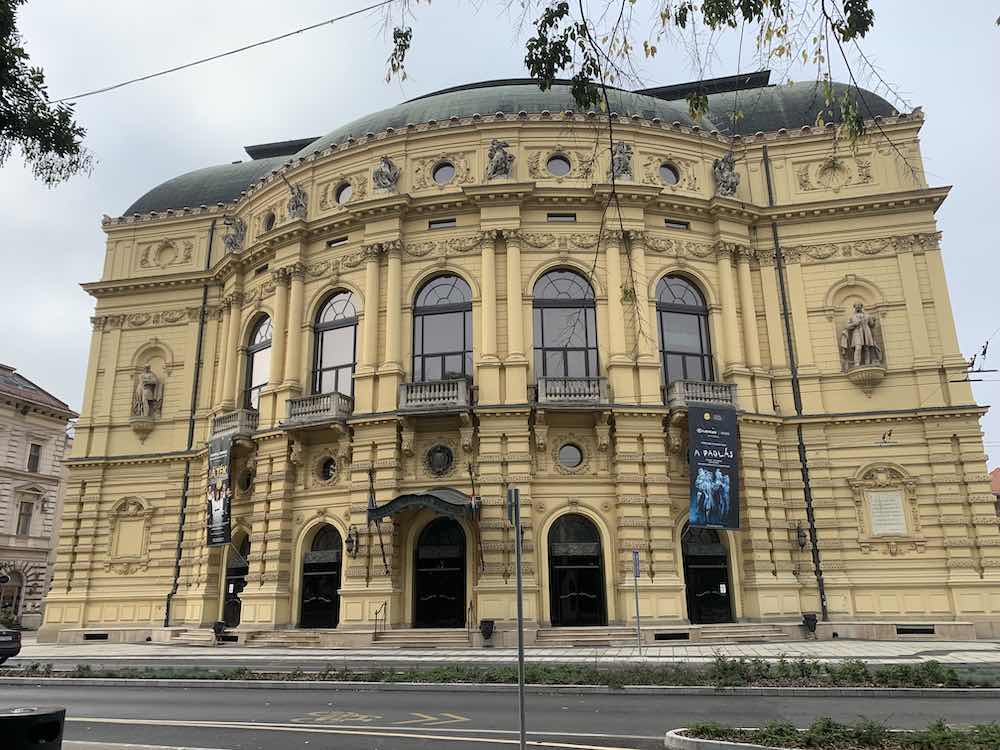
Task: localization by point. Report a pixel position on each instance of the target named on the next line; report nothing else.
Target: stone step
(423, 638)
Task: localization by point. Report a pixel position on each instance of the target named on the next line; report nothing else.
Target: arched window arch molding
(151, 349)
(569, 264)
(336, 373)
(678, 321)
(250, 321)
(838, 292)
(303, 544)
(544, 313)
(429, 274)
(887, 509)
(430, 363)
(694, 275)
(319, 297)
(609, 557)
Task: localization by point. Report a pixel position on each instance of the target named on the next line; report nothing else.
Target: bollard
(32, 727)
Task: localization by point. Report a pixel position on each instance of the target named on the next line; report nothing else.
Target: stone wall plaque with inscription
(888, 517)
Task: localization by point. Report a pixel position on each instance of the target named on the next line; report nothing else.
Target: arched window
(682, 317)
(10, 595)
(565, 326)
(336, 335)
(258, 362)
(442, 330)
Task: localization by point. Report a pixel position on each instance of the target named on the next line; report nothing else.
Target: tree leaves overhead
(46, 134)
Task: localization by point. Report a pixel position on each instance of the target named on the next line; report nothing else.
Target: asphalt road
(241, 719)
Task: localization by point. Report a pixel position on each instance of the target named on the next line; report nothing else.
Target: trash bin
(32, 727)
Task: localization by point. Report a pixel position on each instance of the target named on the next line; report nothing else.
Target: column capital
(373, 250)
(233, 299)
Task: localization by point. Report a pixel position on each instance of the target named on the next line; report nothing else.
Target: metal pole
(635, 578)
(516, 501)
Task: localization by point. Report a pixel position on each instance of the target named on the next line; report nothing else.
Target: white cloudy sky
(307, 85)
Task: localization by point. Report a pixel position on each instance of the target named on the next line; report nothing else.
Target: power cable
(220, 55)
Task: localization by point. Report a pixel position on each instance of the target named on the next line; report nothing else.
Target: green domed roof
(763, 107)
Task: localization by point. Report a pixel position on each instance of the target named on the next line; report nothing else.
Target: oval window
(344, 193)
(269, 221)
(558, 165)
(669, 173)
(570, 456)
(444, 173)
(440, 459)
(328, 469)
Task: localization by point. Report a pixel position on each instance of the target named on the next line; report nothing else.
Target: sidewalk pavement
(878, 652)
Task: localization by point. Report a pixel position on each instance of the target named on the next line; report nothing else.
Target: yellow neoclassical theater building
(373, 334)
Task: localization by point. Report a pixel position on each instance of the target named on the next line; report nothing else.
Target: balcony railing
(320, 408)
(239, 423)
(572, 391)
(435, 396)
(684, 392)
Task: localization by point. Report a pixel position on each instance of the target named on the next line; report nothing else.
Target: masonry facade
(473, 291)
(33, 444)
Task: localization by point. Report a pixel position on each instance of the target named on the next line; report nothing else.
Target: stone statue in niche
(858, 346)
(298, 202)
(501, 162)
(236, 235)
(621, 161)
(147, 398)
(385, 175)
(726, 178)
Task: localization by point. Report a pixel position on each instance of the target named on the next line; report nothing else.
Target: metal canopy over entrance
(443, 500)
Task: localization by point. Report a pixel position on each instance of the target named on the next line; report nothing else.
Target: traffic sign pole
(514, 504)
(635, 577)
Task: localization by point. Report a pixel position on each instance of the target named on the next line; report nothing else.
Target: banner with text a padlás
(713, 452)
(220, 490)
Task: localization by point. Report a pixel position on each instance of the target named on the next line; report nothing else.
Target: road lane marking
(333, 717)
(455, 719)
(424, 718)
(360, 731)
(430, 720)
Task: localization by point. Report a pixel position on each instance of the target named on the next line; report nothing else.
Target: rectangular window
(677, 224)
(259, 270)
(442, 223)
(24, 518)
(34, 457)
(336, 241)
(561, 217)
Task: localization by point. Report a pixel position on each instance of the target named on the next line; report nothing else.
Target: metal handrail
(470, 618)
(380, 611)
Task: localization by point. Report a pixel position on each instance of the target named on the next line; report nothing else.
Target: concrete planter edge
(676, 741)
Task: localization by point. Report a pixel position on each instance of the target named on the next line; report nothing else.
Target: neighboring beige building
(33, 443)
(452, 296)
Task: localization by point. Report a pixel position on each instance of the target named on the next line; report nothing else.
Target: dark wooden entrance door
(321, 581)
(706, 576)
(237, 567)
(439, 576)
(576, 573)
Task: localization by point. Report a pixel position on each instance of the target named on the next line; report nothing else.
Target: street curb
(478, 687)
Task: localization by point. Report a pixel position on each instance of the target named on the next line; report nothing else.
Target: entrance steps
(594, 637)
(423, 638)
(732, 632)
(286, 638)
(193, 637)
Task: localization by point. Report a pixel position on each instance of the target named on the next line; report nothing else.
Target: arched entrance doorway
(576, 573)
(237, 567)
(321, 580)
(706, 576)
(439, 576)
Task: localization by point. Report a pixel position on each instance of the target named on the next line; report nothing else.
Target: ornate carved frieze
(833, 173)
(358, 182)
(445, 247)
(581, 164)
(860, 248)
(687, 176)
(164, 254)
(423, 170)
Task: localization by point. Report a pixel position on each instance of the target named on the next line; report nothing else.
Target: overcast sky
(948, 63)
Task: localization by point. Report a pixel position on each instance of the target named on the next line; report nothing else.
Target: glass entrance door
(576, 573)
(321, 581)
(706, 577)
(439, 576)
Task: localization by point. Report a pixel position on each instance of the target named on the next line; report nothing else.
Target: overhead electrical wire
(244, 48)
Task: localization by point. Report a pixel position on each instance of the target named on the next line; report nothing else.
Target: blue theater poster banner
(220, 490)
(714, 464)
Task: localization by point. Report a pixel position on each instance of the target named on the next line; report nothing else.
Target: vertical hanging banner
(220, 490)
(714, 465)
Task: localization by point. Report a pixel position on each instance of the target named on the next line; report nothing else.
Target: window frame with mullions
(422, 313)
(591, 355)
(254, 347)
(700, 313)
(319, 329)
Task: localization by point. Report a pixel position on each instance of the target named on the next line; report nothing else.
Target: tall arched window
(682, 315)
(336, 335)
(442, 330)
(258, 362)
(565, 326)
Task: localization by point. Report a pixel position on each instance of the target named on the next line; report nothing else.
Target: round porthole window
(558, 165)
(444, 173)
(669, 173)
(245, 480)
(328, 469)
(269, 221)
(344, 193)
(570, 456)
(440, 460)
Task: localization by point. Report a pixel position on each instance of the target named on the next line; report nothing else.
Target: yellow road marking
(455, 719)
(363, 732)
(333, 717)
(424, 718)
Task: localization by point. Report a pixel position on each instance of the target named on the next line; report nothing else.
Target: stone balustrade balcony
(572, 392)
(683, 393)
(435, 396)
(318, 409)
(238, 423)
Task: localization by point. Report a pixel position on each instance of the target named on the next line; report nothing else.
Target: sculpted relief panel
(161, 255)
(833, 174)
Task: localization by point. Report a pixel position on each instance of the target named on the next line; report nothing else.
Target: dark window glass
(565, 326)
(336, 337)
(34, 457)
(442, 330)
(24, 513)
(559, 166)
(344, 193)
(682, 315)
(444, 173)
(327, 472)
(258, 362)
(570, 456)
(669, 173)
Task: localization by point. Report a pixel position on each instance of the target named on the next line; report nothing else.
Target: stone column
(761, 400)
(223, 351)
(734, 353)
(650, 365)
(516, 364)
(293, 351)
(951, 353)
(812, 401)
(280, 327)
(364, 376)
(619, 366)
(231, 399)
(391, 371)
(489, 364)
